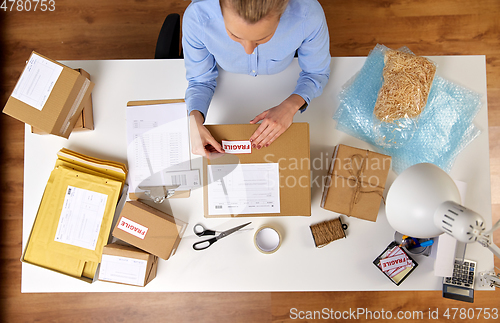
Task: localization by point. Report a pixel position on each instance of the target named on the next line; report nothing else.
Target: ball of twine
(328, 231)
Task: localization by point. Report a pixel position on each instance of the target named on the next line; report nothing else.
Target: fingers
(214, 145)
(266, 134)
(202, 142)
(212, 149)
(258, 118)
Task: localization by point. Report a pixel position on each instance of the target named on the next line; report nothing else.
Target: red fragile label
(237, 147)
(132, 227)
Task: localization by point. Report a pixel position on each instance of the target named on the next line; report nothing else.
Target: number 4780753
(28, 5)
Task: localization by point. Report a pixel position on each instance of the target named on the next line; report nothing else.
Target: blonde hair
(253, 11)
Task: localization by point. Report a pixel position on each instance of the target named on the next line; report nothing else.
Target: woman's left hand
(275, 121)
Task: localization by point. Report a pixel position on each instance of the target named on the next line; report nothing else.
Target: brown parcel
(356, 182)
(86, 119)
(115, 249)
(63, 107)
(162, 233)
(290, 150)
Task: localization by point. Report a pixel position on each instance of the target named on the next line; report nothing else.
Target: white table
(234, 264)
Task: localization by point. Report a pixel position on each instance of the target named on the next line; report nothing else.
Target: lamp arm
(494, 248)
(493, 228)
(485, 241)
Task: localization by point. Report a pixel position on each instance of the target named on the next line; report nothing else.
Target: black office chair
(167, 45)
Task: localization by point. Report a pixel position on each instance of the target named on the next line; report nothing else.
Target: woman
(252, 37)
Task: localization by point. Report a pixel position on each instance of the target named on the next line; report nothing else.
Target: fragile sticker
(132, 227)
(237, 147)
(400, 260)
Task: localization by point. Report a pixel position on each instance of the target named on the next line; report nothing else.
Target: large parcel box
(49, 96)
(289, 155)
(149, 229)
(127, 265)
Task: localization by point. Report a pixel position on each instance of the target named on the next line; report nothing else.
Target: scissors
(200, 231)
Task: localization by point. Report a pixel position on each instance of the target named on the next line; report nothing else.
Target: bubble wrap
(445, 127)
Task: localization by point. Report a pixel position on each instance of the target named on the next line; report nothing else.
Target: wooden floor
(105, 29)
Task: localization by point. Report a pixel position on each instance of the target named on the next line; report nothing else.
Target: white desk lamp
(424, 202)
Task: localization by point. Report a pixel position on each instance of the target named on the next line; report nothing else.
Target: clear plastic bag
(402, 97)
(443, 130)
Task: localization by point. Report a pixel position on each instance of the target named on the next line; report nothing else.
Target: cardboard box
(149, 229)
(356, 182)
(49, 96)
(86, 119)
(127, 265)
(291, 151)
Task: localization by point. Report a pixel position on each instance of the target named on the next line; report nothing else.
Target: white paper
(243, 189)
(123, 270)
(37, 81)
(81, 218)
(157, 141)
(445, 255)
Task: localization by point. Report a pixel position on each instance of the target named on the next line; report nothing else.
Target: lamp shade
(414, 197)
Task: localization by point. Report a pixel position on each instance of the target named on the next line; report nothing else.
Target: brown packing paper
(290, 150)
(356, 182)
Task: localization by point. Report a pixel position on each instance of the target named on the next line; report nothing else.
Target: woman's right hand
(202, 142)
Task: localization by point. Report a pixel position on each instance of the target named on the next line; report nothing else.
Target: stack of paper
(74, 219)
(158, 147)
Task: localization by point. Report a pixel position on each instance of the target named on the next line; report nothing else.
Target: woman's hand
(275, 121)
(202, 142)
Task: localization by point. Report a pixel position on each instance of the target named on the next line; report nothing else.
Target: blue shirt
(207, 46)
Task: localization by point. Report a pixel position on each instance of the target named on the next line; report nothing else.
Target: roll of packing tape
(267, 239)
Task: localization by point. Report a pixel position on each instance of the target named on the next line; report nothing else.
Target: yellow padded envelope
(83, 232)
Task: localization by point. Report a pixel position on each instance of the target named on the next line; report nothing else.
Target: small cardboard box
(355, 183)
(291, 151)
(127, 265)
(49, 96)
(149, 229)
(86, 119)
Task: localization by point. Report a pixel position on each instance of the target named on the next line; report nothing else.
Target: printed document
(157, 141)
(37, 81)
(243, 189)
(81, 217)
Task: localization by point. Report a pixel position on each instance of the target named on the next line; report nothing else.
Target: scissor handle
(200, 231)
(204, 244)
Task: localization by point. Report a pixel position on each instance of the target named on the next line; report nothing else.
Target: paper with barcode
(243, 189)
(183, 180)
(81, 218)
